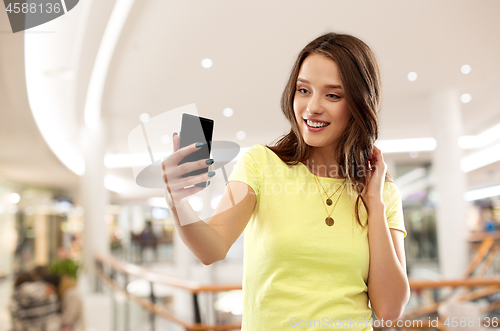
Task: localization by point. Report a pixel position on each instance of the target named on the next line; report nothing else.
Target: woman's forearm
(205, 242)
(388, 287)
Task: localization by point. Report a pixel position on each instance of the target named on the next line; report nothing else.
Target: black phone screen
(196, 129)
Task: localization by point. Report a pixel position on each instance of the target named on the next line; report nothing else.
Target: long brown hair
(361, 83)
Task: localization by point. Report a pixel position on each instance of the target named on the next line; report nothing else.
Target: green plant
(64, 267)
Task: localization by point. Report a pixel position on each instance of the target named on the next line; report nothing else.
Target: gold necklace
(328, 200)
(329, 220)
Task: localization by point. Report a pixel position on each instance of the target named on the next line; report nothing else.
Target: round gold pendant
(329, 221)
(329, 202)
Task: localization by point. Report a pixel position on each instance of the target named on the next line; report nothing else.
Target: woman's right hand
(172, 172)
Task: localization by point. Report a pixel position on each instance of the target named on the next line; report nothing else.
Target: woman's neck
(323, 163)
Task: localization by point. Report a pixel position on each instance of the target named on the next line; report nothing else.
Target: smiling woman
(336, 80)
(294, 268)
(319, 103)
(307, 254)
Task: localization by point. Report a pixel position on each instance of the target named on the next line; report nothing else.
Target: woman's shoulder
(263, 151)
(391, 193)
(258, 148)
(258, 152)
(390, 187)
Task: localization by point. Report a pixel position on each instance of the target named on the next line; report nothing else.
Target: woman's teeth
(316, 124)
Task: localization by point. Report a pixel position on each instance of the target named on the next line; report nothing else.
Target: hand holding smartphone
(195, 129)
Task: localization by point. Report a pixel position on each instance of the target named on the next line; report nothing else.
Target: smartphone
(196, 129)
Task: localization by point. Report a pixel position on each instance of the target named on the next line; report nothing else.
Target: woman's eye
(333, 96)
(301, 90)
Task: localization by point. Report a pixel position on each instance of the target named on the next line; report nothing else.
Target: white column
(8, 232)
(95, 199)
(446, 118)
(183, 300)
(41, 240)
(210, 270)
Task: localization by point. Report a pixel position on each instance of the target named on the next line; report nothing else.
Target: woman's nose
(314, 105)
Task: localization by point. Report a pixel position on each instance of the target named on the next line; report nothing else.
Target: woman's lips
(313, 129)
(317, 121)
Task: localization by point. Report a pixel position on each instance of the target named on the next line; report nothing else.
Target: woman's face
(320, 98)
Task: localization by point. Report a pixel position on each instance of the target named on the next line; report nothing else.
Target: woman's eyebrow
(328, 86)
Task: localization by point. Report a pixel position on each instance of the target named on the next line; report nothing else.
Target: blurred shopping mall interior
(76, 93)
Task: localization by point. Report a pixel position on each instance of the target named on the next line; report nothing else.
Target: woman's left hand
(376, 177)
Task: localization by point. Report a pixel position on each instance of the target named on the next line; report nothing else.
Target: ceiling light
(115, 161)
(412, 76)
(411, 176)
(406, 145)
(465, 98)
(144, 117)
(115, 184)
(480, 159)
(207, 63)
(482, 139)
(228, 112)
(240, 135)
(14, 198)
(483, 193)
(465, 69)
(416, 190)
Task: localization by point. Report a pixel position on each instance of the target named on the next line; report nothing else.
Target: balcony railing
(109, 267)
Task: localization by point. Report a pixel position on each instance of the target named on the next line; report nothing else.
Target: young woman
(323, 220)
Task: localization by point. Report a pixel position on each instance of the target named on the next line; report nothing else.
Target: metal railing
(127, 270)
(114, 267)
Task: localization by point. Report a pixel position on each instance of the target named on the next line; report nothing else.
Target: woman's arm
(211, 241)
(388, 287)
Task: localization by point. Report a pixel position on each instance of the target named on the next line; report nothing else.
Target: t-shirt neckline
(323, 178)
(308, 171)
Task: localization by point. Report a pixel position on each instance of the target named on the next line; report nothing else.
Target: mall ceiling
(156, 67)
(24, 155)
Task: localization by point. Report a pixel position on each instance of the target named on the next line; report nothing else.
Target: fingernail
(209, 161)
(175, 133)
(208, 183)
(211, 174)
(198, 145)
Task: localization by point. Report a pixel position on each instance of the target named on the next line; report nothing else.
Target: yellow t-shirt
(297, 271)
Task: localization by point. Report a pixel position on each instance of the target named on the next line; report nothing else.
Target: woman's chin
(317, 143)
(314, 143)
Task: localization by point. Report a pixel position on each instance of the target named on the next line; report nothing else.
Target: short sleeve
(394, 207)
(247, 169)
